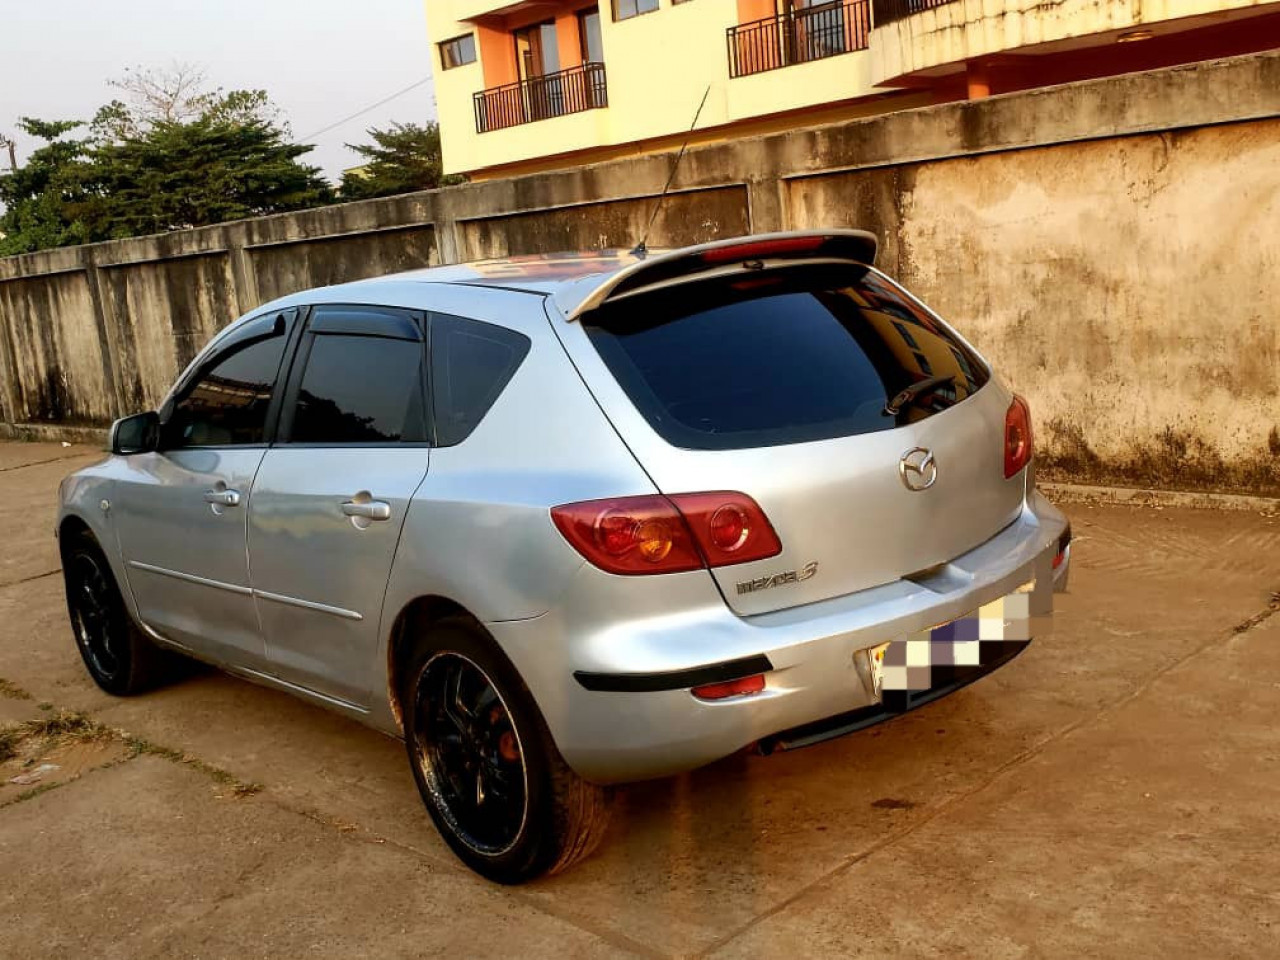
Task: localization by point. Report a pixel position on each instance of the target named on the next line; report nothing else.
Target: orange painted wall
(497, 56)
(567, 40)
(749, 10)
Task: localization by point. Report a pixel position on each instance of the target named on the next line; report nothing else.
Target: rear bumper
(639, 720)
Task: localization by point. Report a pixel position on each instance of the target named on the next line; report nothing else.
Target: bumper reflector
(730, 688)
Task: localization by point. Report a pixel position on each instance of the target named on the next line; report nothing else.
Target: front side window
(458, 52)
(360, 389)
(471, 363)
(227, 403)
(626, 9)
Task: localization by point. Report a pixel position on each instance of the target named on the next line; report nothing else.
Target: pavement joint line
(950, 802)
(360, 834)
(41, 463)
(355, 832)
(35, 576)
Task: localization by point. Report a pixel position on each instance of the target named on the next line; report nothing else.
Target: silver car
(568, 521)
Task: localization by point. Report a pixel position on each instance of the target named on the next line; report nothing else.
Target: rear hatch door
(775, 383)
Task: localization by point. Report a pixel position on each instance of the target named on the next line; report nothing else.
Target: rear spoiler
(721, 257)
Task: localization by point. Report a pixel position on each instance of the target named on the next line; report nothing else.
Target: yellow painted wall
(960, 31)
(658, 66)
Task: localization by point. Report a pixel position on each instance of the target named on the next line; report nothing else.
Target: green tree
(45, 197)
(206, 171)
(403, 158)
(171, 156)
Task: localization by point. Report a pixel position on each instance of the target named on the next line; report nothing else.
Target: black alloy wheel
(99, 633)
(485, 763)
(119, 657)
(470, 754)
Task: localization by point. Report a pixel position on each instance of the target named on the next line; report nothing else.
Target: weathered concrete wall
(1113, 246)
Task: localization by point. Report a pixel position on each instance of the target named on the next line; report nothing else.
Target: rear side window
(796, 355)
(226, 405)
(360, 389)
(471, 362)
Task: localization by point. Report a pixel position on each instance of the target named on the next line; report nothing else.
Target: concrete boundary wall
(1113, 246)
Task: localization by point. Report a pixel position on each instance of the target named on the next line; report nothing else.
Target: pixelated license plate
(907, 664)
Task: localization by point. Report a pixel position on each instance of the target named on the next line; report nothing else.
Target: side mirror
(137, 434)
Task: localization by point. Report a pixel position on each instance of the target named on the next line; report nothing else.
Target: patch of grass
(239, 788)
(69, 725)
(12, 691)
(44, 705)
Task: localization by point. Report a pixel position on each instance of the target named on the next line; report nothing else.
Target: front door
(331, 497)
(538, 60)
(180, 513)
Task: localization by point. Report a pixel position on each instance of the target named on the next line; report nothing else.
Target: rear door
(331, 495)
(776, 383)
(180, 512)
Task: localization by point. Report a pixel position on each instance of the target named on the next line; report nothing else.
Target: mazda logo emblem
(918, 469)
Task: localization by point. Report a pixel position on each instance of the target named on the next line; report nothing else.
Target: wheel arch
(71, 526)
(414, 619)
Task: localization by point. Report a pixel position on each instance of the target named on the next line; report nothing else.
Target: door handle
(224, 498)
(371, 510)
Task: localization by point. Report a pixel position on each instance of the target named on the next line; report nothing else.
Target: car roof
(580, 281)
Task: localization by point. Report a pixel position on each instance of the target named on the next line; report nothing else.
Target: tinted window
(783, 357)
(470, 364)
(358, 389)
(227, 404)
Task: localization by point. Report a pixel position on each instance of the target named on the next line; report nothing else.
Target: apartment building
(529, 85)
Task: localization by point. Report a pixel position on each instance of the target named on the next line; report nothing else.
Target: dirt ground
(1112, 792)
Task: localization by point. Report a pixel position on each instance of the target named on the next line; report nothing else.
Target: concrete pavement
(1112, 792)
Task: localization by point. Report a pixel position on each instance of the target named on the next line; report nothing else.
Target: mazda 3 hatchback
(569, 521)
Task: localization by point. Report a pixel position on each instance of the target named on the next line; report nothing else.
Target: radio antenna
(641, 250)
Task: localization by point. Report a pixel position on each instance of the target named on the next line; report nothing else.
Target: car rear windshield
(787, 356)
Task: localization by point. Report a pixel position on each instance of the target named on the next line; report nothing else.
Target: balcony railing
(539, 98)
(890, 11)
(800, 36)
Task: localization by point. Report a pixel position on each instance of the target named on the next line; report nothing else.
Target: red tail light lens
(629, 535)
(729, 527)
(1018, 441)
(656, 534)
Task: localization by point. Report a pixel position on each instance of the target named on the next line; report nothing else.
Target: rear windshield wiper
(915, 392)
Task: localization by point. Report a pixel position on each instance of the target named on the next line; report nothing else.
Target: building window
(592, 47)
(626, 9)
(458, 51)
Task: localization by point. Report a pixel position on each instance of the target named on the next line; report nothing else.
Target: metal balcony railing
(539, 98)
(799, 36)
(890, 11)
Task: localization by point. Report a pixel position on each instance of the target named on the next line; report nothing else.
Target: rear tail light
(730, 688)
(657, 534)
(1018, 441)
(729, 527)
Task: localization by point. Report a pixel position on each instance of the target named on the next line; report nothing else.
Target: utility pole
(13, 152)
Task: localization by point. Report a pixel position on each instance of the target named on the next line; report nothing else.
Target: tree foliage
(40, 197)
(170, 156)
(402, 158)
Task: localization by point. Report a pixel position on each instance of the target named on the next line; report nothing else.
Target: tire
(118, 655)
(470, 727)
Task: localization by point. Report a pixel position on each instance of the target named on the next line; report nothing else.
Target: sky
(319, 60)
